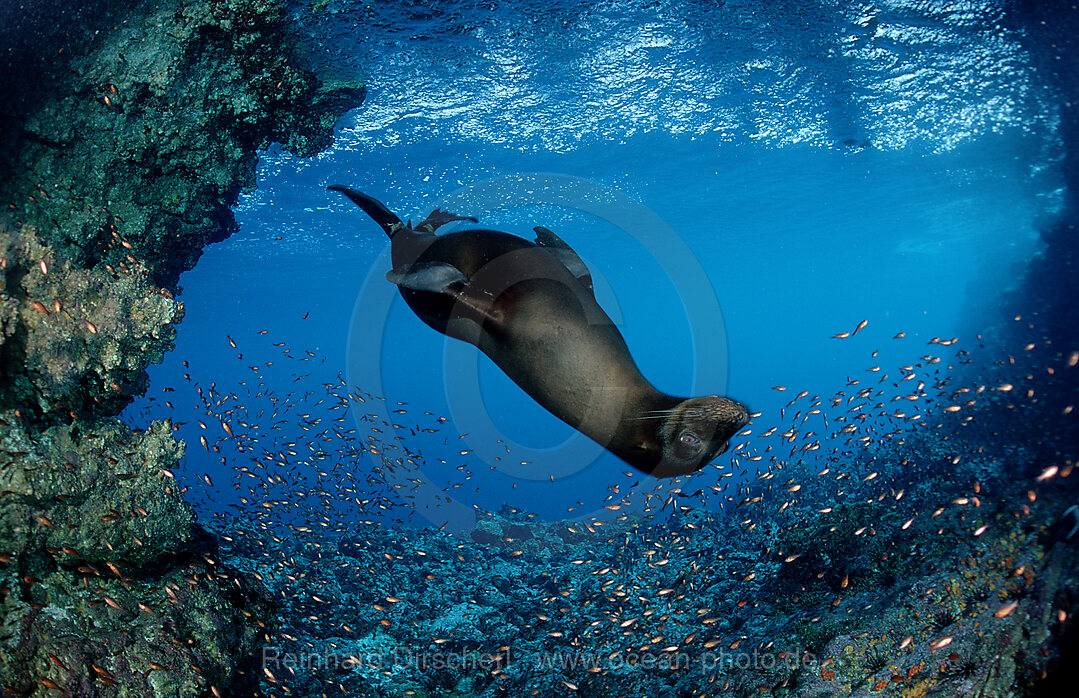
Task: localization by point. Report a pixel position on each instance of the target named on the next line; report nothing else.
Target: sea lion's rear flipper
(448, 280)
(372, 207)
(546, 239)
(440, 218)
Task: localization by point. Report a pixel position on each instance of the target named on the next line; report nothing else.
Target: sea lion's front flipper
(439, 218)
(448, 280)
(546, 239)
(437, 277)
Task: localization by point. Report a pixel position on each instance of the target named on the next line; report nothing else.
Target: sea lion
(529, 306)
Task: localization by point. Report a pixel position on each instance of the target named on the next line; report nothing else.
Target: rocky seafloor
(936, 558)
(129, 129)
(693, 606)
(131, 133)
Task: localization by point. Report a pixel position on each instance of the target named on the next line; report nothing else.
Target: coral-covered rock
(76, 340)
(120, 161)
(90, 628)
(91, 492)
(152, 131)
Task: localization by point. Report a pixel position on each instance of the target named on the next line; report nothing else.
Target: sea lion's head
(697, 430)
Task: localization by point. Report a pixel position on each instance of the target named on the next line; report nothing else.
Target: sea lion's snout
(730, 418)
(733, 412)
(696, 431)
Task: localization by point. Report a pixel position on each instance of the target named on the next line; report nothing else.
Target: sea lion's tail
(372, 207)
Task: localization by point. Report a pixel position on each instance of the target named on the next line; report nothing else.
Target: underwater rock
(153, 130)
(76, 341)
(105, 580)
(94, 630)
(91, 492)
(488, 532)
(673, 607)
(121, 158)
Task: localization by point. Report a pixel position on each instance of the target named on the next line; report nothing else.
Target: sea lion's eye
(688, 438)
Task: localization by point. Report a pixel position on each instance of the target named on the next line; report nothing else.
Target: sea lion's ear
(546, 239)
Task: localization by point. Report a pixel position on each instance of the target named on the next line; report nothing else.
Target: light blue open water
(823, 165)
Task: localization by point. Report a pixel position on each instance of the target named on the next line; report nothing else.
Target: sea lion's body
(529, 306)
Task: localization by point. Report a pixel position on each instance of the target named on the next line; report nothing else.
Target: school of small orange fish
(908, 464)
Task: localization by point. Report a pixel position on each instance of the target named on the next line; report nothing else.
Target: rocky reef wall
(1043, 304)
(133, 129)
(1040, 310)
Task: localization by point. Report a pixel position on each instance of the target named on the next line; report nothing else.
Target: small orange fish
(56, 660)
(940, 642)
(1049, 472)
(1005, 609)
(101, 671)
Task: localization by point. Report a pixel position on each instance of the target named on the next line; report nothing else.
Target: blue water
(815, 169)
